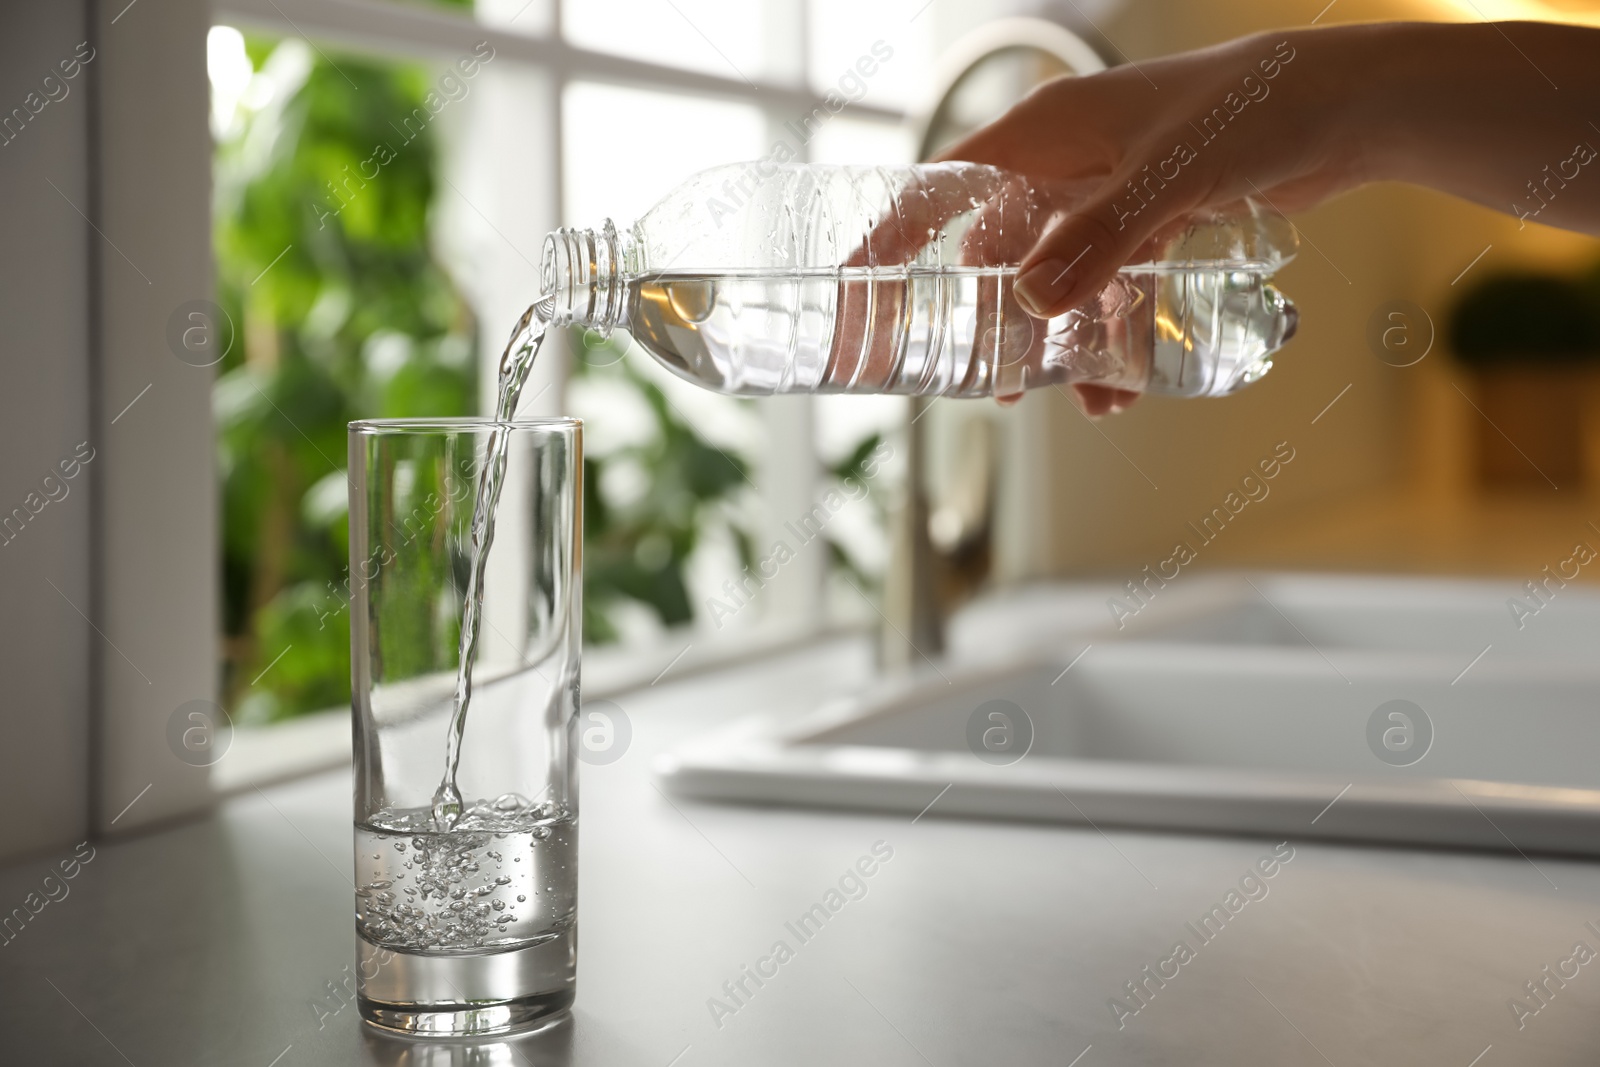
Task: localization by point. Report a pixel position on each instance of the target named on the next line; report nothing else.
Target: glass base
(461, 996)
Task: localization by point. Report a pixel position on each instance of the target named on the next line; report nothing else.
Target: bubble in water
(449, 903)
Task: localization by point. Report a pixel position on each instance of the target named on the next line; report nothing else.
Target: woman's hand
(1247, 118)
(994, 219)
(1291, 118)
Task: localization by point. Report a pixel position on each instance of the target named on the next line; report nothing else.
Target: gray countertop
(219, 941)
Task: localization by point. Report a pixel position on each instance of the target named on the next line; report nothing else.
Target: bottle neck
(583, 277)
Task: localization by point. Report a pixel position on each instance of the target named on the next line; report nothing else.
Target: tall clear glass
(466, 916)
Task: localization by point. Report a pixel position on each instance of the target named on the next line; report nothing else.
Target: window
(718, 37)
(369, 285)
(326, 170)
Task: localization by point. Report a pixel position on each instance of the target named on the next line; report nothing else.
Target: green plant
(341, 312)
(1527, 318)
(638, 549)
(853, 468)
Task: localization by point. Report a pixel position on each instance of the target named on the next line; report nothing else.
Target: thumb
(1078, 255)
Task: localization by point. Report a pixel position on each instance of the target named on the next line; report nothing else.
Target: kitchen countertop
(220, 941)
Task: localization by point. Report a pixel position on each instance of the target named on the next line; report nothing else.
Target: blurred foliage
(340, 312)
(853, 466)
(1528, 317)
(416, 596)
(638, 547)
(677, 487)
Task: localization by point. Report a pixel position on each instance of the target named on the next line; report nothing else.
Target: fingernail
(1041, 285)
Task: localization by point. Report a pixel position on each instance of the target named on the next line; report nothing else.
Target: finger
(911, 217)
(1097, 400)
(1071, 149)
(866, 337)
(1011, 221)
(1002, 143)
(1075, 259)
(867, 349)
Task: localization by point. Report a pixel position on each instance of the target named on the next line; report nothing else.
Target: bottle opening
(580, 278)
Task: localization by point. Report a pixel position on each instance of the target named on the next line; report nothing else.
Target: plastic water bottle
(764, 278)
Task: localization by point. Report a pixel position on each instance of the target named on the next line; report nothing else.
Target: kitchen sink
(1452, 618)
(1397, 710)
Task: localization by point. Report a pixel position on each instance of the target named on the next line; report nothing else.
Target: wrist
(1382, 122)
(1417, 94)
(1363, 96)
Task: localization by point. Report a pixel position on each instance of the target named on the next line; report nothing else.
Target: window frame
(153, 601)
(396, 29)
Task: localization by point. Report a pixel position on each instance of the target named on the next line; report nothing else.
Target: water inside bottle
(1194, 329)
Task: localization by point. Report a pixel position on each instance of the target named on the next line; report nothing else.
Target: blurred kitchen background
(238, 227)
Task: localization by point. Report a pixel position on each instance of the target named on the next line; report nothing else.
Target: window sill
(259, 756)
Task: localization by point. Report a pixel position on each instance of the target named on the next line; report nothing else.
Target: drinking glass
(465, 916)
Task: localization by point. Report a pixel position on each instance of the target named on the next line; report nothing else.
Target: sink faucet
(913, 616)
(941, 549)
(940, 555)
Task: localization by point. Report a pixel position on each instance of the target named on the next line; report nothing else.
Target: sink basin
(1456, 618)
(1259, 704)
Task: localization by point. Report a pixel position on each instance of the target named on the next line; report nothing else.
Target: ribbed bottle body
(767, 279)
